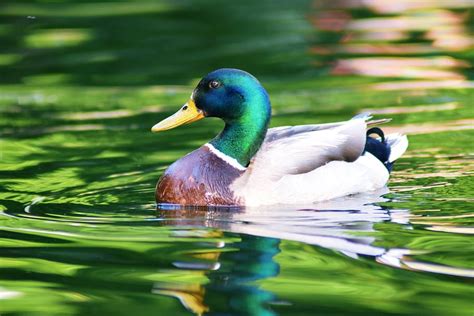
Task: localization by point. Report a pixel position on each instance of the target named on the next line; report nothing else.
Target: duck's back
(307, 164)
(199, 178)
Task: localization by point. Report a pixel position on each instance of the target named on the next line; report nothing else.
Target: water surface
(82, 83)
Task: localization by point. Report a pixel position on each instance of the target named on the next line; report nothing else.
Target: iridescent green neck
(242, 138)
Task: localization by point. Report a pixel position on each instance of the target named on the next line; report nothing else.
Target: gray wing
(300, 149)
(288, 131)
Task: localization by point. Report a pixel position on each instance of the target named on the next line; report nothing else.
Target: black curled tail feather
(378, 147)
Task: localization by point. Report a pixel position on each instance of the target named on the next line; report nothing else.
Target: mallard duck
(248, 164)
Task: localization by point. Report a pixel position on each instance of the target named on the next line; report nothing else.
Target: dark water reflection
(82, 83)
(347, 226)
(231, 277)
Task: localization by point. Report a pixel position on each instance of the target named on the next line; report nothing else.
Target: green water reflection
(81, 83)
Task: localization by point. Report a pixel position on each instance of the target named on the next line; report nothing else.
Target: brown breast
(199, 178)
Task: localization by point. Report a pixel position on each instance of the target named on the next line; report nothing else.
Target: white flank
(333, 180)
(231, 161)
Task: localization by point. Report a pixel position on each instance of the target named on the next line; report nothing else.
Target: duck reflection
(230, 273)
(233, 264)
(233, 269)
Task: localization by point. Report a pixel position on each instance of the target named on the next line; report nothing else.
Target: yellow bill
(187, 114)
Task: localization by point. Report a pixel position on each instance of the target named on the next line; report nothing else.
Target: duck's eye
(214, 84)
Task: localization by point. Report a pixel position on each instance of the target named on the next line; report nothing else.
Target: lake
(81, 84)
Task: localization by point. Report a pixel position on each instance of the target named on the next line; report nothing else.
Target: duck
(250, 164)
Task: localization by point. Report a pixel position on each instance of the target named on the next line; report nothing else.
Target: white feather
(398, 145)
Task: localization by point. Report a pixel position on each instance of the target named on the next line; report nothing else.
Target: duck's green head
(229, 94)
(236, 97)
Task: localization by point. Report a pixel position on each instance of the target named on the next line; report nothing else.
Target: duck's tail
(388, 148)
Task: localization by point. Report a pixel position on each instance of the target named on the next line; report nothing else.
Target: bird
(250, 164)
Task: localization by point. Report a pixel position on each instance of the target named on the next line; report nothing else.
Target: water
(82, 83)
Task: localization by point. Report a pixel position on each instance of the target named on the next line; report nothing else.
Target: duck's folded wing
(280, 132)
(300, 149)
(287, 131)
